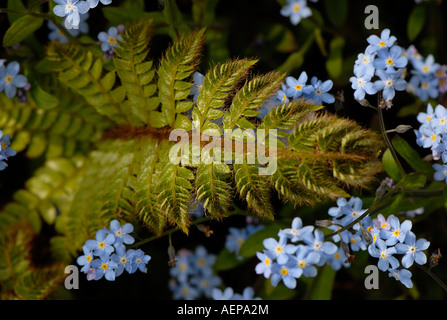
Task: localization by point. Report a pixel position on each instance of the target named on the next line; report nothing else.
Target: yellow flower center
(104, 266)
(111, 40)
(240, 241)
(296, 8)
(425, 85)
(284, 271)
(433, 137)
(302, 264)
(442, 120)
(384, 225)
(428, 118)
(383, 255)
(298, 87)
(353, 240)
(337, 255)
(278, 249)
(182, 267)
(123, 260)
(370, 229)
(4, 146)
(396, 233)
(267, 261)
(425, 68)
(201, 262)
(88, 258)
(102, 245)
(389, 62)
(8, 79)
(382, 44)
(284, 98)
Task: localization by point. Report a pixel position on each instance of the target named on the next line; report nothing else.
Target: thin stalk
(388, 142)
(434, 277)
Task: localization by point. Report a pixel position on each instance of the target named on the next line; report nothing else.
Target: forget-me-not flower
(440, 172)
(402, 275)
(109, 39)
(102, 245)
(390, 82)
(10, 79)
(412, 249)
(319, 92)
(296, 232)
(279, 249)
(71, 9)
(296, 10)
(385, 40)
(385, 255)
(93, 3)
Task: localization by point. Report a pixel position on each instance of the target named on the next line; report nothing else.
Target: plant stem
(434, 277)
(389, 144)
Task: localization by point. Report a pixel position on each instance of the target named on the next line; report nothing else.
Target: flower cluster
(10, 79)
(192, 275)
(5, 150)
(282, 260)
(296, 10)
(106, 256)
(229, 294)
(433, 134)
(294, 89)
(382, 238)
(237, 236)
(383, 60)
(72, 10)
(428, 79)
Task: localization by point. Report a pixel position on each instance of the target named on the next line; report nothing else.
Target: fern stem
(389, 144)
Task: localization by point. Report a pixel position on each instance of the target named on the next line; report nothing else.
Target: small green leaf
(21, 29)
(323, 284)
(334, 63)
(411, 156)
(416, 21)
(414, 181)
(390, 166)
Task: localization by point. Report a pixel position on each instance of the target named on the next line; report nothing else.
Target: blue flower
(305, 260)
(206, 282)
(318, 245)
(3, 164)
(355, 240)
(385, 255)
(352, 211)
(279, 249)
(109, 40)
(295, 87)
(319, 93)
(202, 259)
(389, 82)
(5, 150)
(425, 86)
(389, 59)
(102, 246)
(104, 267)
(10, 79)
(385, 40)
(226, 294)
(121, 233)
(361, 83)
(93, 3)
(235, 239)
(426, 117)
(365, 62)
(430, 138)
(397, 232)
(247, 294)
(56, 35)
(440, 122)
(297, 231)
(425, 67)
(184, 291)
(441, 172)
(265, 266)
(123, 259)
(288, 273)
(412, 249)
(337, 260)
(402, 275)
(140, 259)
(197, 86)
(183, 268)
(86, 259)
(296, 10)
(71, 9)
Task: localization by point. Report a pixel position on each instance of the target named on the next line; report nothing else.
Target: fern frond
(176, 66)
(136, 72)
(82, 72)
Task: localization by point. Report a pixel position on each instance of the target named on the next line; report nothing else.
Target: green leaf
(15, 5)
(337, 11)
(334, 63)
(416, 21)
(390, 166)
(414, 181)
(227, 260)
(411, 156)
(324, 281)
(21, 29)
